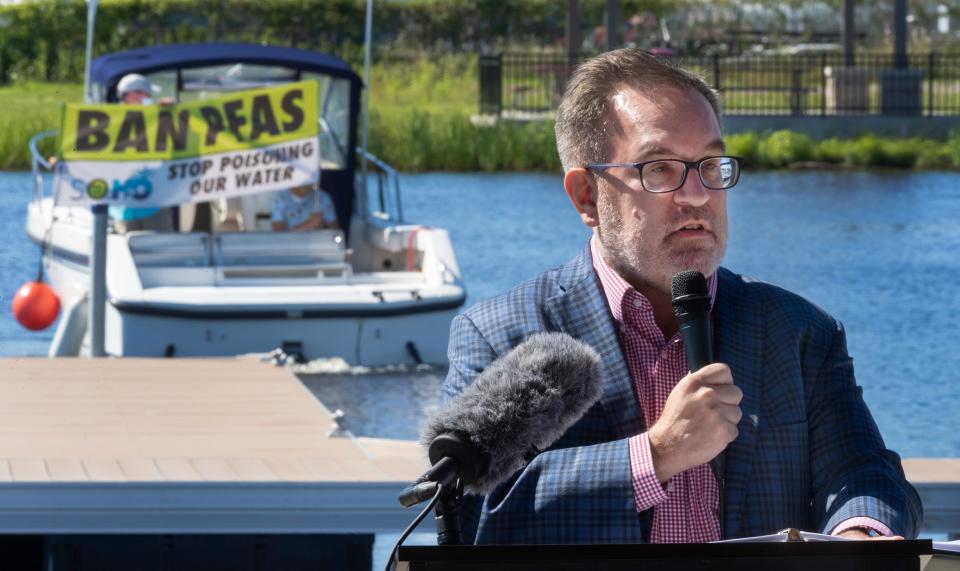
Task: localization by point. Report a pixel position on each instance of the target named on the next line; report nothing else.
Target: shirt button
(637, 303)
(670, 486)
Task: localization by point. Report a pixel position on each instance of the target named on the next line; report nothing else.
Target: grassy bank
(420, 121)
(784, 149)
(25, 110)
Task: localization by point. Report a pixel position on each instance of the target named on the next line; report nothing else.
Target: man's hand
(698, 421)
(312, 223)
(859, 533)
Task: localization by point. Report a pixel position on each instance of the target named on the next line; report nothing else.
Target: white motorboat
(379, 291)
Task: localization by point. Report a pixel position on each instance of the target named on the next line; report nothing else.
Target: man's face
(136, 97)
(649, 237)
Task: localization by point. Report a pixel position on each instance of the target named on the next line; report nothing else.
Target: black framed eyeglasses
(667, 175)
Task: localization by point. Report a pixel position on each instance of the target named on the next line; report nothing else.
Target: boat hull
(366, 340)
(369, 319)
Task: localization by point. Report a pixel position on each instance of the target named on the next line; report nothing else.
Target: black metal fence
(798, 85)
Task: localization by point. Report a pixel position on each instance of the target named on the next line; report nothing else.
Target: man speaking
(773, 434)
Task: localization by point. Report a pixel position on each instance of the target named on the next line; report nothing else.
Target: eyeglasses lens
(719, 172)
(667, 175)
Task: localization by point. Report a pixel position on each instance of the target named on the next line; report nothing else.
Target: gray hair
(583, 118)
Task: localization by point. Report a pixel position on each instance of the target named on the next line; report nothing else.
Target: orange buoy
(35, 306)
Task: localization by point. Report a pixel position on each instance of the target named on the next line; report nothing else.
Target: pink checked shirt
(686, 508)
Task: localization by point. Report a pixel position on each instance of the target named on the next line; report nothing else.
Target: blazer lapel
(740, 342)
(581, 311)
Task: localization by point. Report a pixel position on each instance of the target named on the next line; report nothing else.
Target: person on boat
(135, 89)
(647, 170)
(305, 207)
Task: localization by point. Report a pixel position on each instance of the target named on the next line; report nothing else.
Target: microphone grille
(689, 291)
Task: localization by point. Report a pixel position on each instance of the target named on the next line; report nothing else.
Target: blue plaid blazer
(808, 455)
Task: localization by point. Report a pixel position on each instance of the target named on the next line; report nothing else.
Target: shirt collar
(618, 292)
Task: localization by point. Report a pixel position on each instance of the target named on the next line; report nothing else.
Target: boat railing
(38, 161)
(387, 184)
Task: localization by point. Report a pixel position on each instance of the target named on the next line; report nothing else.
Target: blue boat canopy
(108, 69)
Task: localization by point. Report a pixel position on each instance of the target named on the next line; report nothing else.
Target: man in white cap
(135, 89)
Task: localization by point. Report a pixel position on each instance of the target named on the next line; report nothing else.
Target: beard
(637, 251)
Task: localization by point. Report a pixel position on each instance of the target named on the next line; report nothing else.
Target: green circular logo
(97, 189)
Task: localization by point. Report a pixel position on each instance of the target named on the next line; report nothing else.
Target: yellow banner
(235, 121)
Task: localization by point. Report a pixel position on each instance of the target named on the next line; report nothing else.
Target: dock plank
(29, 470)
(104, 470)
(251, 469)
(214, 469)
(178, 469)
(140, 469)
(66, 470)
(932, 470)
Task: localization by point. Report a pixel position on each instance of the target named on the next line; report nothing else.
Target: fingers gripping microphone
(691, 304)
(521, 404)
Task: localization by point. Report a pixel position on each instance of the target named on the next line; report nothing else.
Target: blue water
(19, 261)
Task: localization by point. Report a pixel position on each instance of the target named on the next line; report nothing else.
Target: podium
(787, 556)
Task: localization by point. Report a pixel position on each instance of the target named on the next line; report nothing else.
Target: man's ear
(582, 191)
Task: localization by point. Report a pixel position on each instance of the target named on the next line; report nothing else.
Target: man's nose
(692, 193)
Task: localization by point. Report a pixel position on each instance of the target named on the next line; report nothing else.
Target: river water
(878, 250)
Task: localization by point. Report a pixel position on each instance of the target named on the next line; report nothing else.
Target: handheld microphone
(518, 406)
(691, 304)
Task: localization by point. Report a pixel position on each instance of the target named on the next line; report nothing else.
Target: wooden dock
(186, 446)
(221, 446)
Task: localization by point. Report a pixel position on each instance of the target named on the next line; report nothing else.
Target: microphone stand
(448, 515)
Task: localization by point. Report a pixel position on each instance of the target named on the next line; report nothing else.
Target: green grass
(782, 149)
(417, 141)
(430, 85)
(25, 110)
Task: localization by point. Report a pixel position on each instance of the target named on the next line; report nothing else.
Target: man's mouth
(692, 229)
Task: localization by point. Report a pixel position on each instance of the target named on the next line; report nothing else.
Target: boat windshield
(333, 101)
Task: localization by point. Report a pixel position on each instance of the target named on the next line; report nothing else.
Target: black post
(823, 85)
(931, 60)
(491, 83)
(849, 33)
(564, 71)
(613, 25)
(573, 32)
(796, 93)
(900, 34)
(716, 71)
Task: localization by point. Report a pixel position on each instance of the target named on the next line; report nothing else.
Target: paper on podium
(951, 547)
(789, 534)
